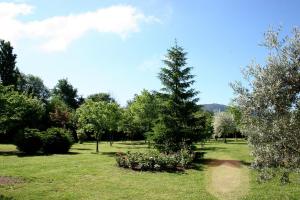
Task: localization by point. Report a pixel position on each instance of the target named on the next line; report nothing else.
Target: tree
(98, 117)
(67, 93)
(204, 122)
(102, 97)
(175, 127)
(145, 110)
(223, 124)
(18, 111)
(127, 124)
(237, 116)
(59, 112)
(8, 72)
(271, 101)
(34, 86)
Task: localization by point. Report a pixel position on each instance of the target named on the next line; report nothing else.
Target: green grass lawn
(82, 174)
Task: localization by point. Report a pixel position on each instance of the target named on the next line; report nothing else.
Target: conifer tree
(176, 127)
(8, 72)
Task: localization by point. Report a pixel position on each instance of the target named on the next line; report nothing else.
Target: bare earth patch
(6, 180)
(229, 179)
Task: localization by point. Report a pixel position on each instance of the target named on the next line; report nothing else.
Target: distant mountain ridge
(214, 107)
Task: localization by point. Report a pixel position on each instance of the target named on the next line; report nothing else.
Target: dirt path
(228, 179)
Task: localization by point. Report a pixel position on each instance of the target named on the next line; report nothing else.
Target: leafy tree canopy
(270, 103)
(224, 124)
(102, 97)
(18, 111)
(67, 93)
(98, 117)
(34, 86)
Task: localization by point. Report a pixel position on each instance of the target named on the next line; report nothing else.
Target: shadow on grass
(209, 148)
(21, 154)
(82, 149)
(110, 154)
(237, 143)
(2, 197)
(177, 171)
(133, 143)
(217, 162)
(200, 162)
(130, 148)
(245, 163)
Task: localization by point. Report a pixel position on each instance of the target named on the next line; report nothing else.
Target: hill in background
(214, 107)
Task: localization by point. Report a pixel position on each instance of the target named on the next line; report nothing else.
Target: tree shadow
(246, 163)
(82, 149)
(177, 171)
(240, 143)
(209, 148)
(110, 154)
(133, 143)
(217, 162)
(21, 154)
(2, 197)
(130, 148)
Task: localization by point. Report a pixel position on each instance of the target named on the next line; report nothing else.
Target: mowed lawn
(82, 174)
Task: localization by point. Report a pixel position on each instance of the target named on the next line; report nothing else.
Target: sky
(117, 46)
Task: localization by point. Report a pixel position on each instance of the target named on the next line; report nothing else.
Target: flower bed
(155, 161)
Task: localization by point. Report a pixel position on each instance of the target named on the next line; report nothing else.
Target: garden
(56, 144)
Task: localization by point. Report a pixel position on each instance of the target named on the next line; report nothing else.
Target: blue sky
(117, 46)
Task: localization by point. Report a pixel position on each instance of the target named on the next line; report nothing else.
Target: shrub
(29, 141)
(122, 160)
(57, 140)
(155, 161)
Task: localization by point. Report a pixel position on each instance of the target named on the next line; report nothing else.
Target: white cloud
(57, 33)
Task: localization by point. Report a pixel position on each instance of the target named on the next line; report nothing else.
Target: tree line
(170, 118)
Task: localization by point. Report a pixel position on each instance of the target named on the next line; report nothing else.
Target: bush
(57, 140)
(155, 161)
(29, 141)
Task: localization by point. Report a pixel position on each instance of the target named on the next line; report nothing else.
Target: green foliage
(235, 111)
(9, 74)
(101, 97)
(145, 109)
(270, 103)
(176, 126)
(66, 92)
(57, 140)
(33, 86)
(81, 135)
(59, 112)
(29, 141)
(18, 110)
(98, 117)
(128, 125)
(140, 115)
(203, 125)
(155, 161)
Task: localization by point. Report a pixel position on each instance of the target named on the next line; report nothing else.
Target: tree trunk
(111, 139)
(97, 143)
